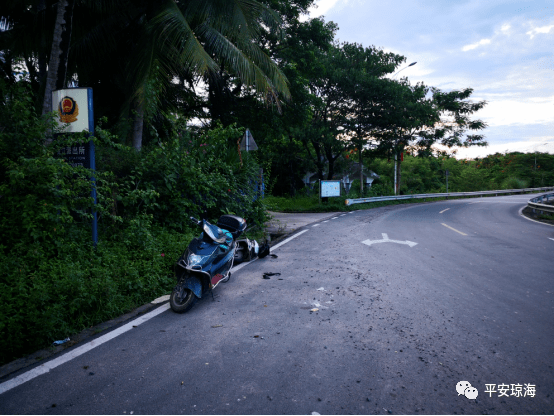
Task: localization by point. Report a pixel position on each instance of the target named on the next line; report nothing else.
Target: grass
(311, 204)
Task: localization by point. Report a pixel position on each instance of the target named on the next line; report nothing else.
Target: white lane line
(315, 225)
(444, 210)
(334, 218)
(326, 221)
(453, 229)
(342, 215)
(551, 238)
(351, 212)
(50, 365)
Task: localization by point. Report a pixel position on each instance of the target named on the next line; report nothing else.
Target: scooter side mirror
(194, 220)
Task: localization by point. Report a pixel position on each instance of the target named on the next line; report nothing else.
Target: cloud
(513, 112)
(476, 45)
(545, 146)
(322, 7)
(537, 30)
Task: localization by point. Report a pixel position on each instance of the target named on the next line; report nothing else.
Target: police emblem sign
(74, 109)
(75, 115)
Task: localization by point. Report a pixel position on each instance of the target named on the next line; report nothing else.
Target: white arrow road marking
(387, 240)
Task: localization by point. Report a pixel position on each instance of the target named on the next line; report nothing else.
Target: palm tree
(199, 37)
(149, 43)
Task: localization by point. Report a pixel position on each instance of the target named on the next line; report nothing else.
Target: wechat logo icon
(465, 388)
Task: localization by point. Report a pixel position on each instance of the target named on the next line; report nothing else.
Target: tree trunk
(361, 171)
(42, 64)
(138, 124)
(57, 66)
(398, 171)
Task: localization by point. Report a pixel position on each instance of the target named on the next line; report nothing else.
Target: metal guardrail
(449, 194)
(536, 203)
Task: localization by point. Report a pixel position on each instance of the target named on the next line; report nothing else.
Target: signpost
(74, 107)
(248, 142)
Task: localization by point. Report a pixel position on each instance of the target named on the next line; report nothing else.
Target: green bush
(45, 298)
(514, 183)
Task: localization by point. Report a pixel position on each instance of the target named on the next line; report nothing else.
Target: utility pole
(396, 150)
(395, 171)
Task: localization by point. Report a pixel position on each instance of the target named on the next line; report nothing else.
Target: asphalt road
(397, 326)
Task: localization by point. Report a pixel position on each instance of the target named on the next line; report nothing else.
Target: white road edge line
(527, 218)
(287, 240)
(50, 365)
(46, 367)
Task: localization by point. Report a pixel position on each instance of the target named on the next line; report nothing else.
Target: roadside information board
(330, 188)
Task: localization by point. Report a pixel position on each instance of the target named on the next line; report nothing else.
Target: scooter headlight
(195, 259)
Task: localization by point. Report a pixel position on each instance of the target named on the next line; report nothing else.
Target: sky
(503, 50)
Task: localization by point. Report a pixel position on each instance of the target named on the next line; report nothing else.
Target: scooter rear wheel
(226, 279)
(179, 304)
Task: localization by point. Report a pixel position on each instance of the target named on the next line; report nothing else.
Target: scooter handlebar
(194, 220)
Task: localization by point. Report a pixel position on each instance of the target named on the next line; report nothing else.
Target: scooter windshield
(214, 233)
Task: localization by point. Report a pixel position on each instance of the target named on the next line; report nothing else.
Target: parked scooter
(207, 261)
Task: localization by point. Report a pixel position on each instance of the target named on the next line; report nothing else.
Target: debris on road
(267, 274)
(63, 341)
(217, 326)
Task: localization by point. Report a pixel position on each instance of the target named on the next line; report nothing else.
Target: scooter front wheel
(182, 304)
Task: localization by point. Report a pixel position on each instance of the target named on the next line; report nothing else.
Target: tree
(350, 98)
(157, 40)
(57, 65)
(420, 117)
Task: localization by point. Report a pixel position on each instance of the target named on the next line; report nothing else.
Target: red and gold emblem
(68, 110)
